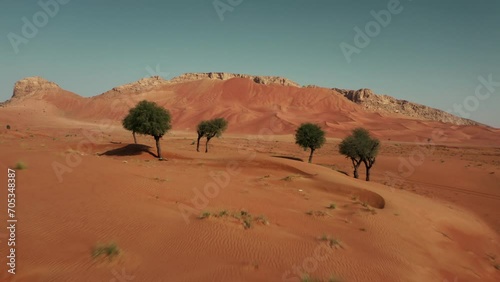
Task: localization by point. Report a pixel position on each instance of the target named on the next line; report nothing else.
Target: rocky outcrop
(225, 76)
(30, 85)
(141, 85)
(383, 103)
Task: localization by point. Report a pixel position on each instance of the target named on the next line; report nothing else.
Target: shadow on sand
(129, 150)
(289, 157)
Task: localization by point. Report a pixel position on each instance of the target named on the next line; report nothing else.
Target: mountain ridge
(366, 98)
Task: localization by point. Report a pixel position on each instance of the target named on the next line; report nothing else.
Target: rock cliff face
(388, 104)
(225, 76)
(30, 85)
(140, 85)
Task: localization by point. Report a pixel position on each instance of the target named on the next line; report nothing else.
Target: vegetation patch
(109, 250)
(20, 166)
(316, 213)
(242, 216)
(332, 206)
(331, 241)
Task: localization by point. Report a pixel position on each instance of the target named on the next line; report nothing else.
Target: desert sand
(430, 212)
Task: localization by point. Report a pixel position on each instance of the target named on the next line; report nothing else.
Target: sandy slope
(438, 222)
(135, 201)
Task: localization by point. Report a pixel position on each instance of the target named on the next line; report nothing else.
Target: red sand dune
(442, 223)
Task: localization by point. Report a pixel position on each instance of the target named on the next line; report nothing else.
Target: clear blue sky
(432, 52)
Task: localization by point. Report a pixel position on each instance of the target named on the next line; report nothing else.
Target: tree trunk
(135, 139)
(355, 165)
(158, 149)
(198, 144)
(368, 165)
(311, 155)
(206, 145)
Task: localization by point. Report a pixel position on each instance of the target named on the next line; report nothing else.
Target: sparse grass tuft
(109, 250)
(332, 206)
(332, 242)
(205, 214)
(247, 223)
(8, 126)
(243, 216)
(316, 213)
(262, 219)
(20, 166)
(223, 213)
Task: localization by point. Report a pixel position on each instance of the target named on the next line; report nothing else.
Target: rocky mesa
(267, 80)
(387, 104)
(31, 85)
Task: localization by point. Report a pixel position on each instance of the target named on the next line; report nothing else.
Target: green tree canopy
(149, 119)
(310, 136)
(210, 129)
(360, 147)
(202, 129)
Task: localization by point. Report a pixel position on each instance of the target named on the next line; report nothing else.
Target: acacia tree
(371, 148)
(149, 119)
(129, 123)
(202, 130)
(310, 136)
(214, 128)
(360, 147)
(348, 148)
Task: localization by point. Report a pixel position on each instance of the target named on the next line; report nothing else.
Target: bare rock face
(383, 103)
(141, 85)
(30, 85)
(357, 96)
(225, 76)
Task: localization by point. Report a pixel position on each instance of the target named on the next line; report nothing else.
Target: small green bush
(109, 250)
(20, 166)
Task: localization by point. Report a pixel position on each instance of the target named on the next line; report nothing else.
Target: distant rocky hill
(141, 85)
(387, 104)
(225, 76)
(370, 101)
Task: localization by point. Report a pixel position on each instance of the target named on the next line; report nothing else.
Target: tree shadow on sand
(288, 157)
(129, 150)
